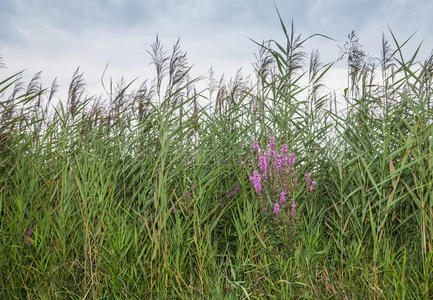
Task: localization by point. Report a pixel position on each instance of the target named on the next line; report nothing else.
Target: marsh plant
(276, 181)
(145, 192)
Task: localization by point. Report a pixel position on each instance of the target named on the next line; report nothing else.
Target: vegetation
(146, 193)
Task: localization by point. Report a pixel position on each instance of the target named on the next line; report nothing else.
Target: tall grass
(134, 195)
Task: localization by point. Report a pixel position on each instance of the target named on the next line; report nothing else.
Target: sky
(57, 36)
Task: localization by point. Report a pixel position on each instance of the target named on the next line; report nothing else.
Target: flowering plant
(275, 180)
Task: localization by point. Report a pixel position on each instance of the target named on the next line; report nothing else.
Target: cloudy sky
(57, 36)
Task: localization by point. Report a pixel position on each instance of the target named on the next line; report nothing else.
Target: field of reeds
(269, 187)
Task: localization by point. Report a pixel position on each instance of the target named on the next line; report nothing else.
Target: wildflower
(283, 157)
(28, 236)
(232, 193)
(272, 144)
(276, 208)
(188, 195)
(283, 197)
(235, 190)
(279, 162)
(293, 211)
(256, 180)
(263, 165)
(313, 185)
(256, 147)
(284, 149)
(291, 160)
(307, 179)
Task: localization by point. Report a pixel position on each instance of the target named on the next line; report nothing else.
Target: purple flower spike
(263, 165)
(29, 235)
(256, 180)
(188, 195)
(293, 211)
(272, 144)
(313, 185)
(256, 147)
(291, 160)
(276, 208)
(235, 190)
(283, 197)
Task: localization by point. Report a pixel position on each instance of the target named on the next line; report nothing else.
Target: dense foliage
(147, 193)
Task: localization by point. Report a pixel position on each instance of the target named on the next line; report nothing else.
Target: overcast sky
(57, 36)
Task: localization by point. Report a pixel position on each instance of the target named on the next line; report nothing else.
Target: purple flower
(283, 197)
(256, 181)
(28, 236)
(263, 165)
(256, 147)
(276, 208)
(279, 162)
(291, 160)
(188, 195)
(284, 149)
(235, 190)
(283, 158)
(313, 185)
(272, 144)
(293, 211)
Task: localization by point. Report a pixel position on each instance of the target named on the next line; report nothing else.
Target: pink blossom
(256, 147)
(256, 180)
(276, 208)
(263, 165)
(272, 144)
(283, 197)
(313, 185)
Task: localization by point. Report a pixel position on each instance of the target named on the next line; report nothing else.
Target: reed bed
(146, 192)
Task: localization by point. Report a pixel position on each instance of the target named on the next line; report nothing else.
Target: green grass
(103, 185)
